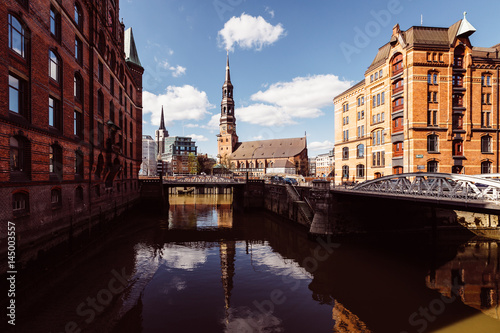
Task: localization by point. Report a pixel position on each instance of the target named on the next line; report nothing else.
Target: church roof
(283, 164)
(130, 48)
(276, 148)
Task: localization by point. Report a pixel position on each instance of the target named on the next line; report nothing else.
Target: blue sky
(288, 59)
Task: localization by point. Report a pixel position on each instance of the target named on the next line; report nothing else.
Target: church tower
(161, 134)
(227, 138)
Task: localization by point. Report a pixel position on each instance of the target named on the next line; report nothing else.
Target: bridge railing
(203, 179)
(442, 185)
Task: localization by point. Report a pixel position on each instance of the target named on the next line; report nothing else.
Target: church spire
(228, 76)
(162, 121)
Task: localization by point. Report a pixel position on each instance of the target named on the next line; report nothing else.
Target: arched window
(345, 153)
(261, 165)
(486, 167)
(397, 170)
(432, 78)
(432, 143)
(378, 137)
(360, 151)
(397, 149)
(397, 86)
(56, 197)
(101, 45)
(17, 39)
(360, 171)
(78, 16)
(486, 144)
(20, 165)
(79, 196)
(397, 64)
(78, 88)
(458, 57)
(345, 172)
(111, 21)
(20, 203)
(271, 164)
(432, 166)
(54, 66)
(55, 162)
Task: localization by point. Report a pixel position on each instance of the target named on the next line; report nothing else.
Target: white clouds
(249, 32)
(270, 12)
(176, 70)
(325, 145)
(284, 102)
(197, 138)
(179, 103)
(214, 122)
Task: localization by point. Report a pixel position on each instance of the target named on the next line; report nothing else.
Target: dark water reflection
(204, 268)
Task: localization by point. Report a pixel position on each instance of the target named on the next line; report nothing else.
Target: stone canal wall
(324, 211)
(53, 221)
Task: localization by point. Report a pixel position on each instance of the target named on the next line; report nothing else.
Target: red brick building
(70, 116)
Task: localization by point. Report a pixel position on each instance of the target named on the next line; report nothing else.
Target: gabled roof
(277, 148)
(283, 164)
(130, 49)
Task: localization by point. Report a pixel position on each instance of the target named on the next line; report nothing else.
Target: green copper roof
(130, 49)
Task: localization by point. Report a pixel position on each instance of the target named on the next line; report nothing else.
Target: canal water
(201, 267)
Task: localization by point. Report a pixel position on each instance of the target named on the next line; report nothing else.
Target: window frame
(55, 66)
(22, 35)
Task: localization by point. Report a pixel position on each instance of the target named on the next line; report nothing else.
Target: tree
(192, 164)
(205, 164)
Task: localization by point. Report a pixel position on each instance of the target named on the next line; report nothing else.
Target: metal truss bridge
(446, 186)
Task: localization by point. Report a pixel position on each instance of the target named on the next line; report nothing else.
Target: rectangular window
(382, 116)
(100, 72)
(378, 117)
(374, 101)
(488, 80)
(380, 73)
(78, 51)
(431, 117)
(16, 95)
(435, 98)
(54, 113)
(434, 79)
(55, 23)
(378, 99)
(371, 78)
(78, 124)
(485, 118)
(100, 134)
(112, 85)
(120, 95)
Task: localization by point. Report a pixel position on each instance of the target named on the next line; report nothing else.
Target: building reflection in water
(346, 321)
(194, 212)
(475, 273)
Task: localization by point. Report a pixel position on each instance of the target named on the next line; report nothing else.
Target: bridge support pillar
(320, 195)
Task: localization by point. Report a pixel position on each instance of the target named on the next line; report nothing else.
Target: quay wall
(343, 213)
(48, 225)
